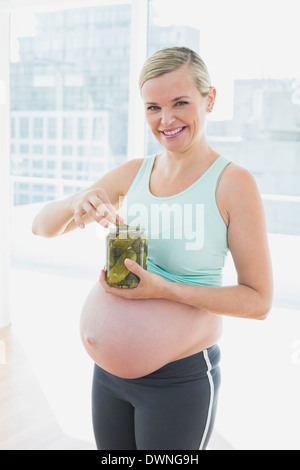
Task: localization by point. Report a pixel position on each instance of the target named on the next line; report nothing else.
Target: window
(82, 129)
(37, 128)
(63, 97)
(12, 127)
(24, 148)
(51, 130)
(24, 128)
(67, 128)
(67, 150)
(98, 128)
(51, 149)
(37, 149)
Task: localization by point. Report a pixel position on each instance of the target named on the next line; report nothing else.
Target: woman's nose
(167, 118)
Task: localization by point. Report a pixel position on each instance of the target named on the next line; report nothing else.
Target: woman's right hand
(97, 205)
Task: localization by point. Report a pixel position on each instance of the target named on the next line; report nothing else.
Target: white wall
(4, 171)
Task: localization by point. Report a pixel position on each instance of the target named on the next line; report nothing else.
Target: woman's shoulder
(130, 168)
(236, 178)
(127, 172)
(237, 188)
(132, 165)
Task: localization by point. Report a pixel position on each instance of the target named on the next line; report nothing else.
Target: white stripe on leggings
(211, 401)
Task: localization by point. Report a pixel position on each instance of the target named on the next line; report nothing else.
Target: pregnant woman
(156, 376)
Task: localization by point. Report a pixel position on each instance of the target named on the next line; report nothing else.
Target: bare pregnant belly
(132, 338)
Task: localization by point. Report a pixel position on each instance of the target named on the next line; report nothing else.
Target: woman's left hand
(150, 286)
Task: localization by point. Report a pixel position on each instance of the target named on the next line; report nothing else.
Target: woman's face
(175, 109)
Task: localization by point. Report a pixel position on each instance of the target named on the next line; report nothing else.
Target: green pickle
(125, 242)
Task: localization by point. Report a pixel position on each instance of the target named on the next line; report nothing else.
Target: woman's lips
(169, 133)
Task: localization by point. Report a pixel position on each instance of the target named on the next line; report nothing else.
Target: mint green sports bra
(187, 235)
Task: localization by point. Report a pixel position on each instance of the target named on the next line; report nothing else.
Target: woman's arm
(97, 203)
(247, 240)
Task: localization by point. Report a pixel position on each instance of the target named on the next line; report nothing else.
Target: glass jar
(125, 242)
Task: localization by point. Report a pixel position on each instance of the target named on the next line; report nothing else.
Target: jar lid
(125, 231)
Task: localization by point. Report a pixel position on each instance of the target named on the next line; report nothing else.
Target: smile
(172, 132)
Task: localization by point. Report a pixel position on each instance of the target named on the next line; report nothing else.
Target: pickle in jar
(119, 271)
(121, 243)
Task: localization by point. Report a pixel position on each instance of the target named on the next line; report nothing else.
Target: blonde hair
(172, 58)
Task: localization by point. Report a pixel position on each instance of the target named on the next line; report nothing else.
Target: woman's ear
(211, 99)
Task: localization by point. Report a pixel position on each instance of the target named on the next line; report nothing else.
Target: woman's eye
(181, 103)
(153, 108)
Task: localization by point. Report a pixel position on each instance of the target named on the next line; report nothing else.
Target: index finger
(101, 194)
(78, 217)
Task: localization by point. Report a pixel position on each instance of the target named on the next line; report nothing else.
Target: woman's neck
(176, 163)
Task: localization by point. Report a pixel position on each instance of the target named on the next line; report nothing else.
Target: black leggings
(171, 408)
